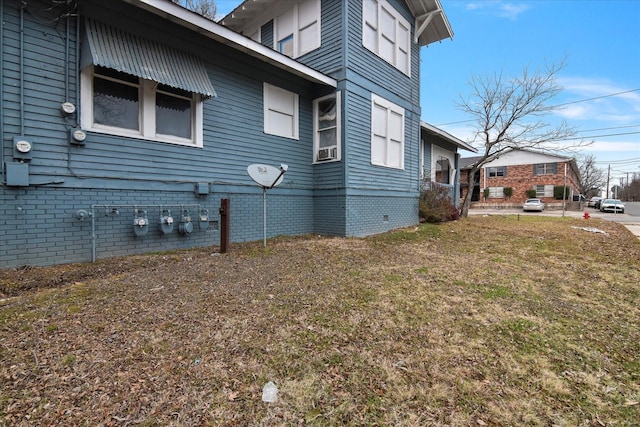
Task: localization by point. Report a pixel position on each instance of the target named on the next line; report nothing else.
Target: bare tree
(206, 8)
(631, 190)
(592, 178)
(509, 115)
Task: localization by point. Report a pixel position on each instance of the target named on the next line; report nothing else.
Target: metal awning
(116, 49)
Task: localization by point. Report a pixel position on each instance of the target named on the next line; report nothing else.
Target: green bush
(559, 191)
(508, 192)
(436, 206)
(485, 193)
(531, 194)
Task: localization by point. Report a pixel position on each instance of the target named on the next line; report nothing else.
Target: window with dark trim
(497, 171)
(545, 168)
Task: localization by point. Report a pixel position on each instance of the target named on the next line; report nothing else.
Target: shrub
(485, 193)
(531, 193)
(436, 206)
(508, 192)
(559, 192)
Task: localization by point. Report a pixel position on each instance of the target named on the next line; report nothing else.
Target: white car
(613, 205)
(533, 205)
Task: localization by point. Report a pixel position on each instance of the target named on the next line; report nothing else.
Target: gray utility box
(17, 174)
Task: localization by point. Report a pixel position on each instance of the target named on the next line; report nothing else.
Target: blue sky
(599, 39)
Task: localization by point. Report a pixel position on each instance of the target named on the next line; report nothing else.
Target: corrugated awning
(116, 49)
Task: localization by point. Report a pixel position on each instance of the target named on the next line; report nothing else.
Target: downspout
(345, 119)
(22, 70)
(1, 91)
(66, 61)
(77, 70)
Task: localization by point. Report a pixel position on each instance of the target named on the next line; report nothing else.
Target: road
(630, 218)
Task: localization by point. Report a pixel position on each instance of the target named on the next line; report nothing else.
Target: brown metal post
(224, 225)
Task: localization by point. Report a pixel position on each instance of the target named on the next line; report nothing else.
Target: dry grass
(484, 321)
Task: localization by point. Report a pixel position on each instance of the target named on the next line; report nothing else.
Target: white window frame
(391, 110)
(374, 38)
(317, 130)
(439, 153)
(295, 29)
(496, 192)
(146, 111)
(275, 98)
(547, 190)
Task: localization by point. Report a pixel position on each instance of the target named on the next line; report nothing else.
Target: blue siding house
(124, 124)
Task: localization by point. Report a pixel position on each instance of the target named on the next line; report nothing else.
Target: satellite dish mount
(267, 177)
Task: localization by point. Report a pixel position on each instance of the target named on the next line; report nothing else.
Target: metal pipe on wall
(22, 70)
(92, 215)
(2, 91)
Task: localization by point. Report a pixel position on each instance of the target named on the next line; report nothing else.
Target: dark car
(594, 202)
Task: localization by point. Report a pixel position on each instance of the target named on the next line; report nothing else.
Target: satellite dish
(265, 175)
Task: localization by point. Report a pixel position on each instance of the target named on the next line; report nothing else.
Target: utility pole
(564, 190)
(608, 178)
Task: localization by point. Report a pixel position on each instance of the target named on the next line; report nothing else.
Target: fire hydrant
(586, 215)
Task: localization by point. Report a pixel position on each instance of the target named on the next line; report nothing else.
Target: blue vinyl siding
(362, 61)
(361, 173)
(329, 58)
(40, 227)
(346, 198)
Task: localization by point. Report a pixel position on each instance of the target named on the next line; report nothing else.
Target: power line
(616, 162)
(558, 105)
(597, 97)
(611, 128)
(599, 136)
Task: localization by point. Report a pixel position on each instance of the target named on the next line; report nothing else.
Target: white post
(264, 216)
(564, 189)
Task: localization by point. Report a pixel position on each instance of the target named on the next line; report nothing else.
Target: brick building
(521, 170)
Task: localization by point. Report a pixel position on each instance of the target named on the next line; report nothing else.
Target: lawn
(496, 321)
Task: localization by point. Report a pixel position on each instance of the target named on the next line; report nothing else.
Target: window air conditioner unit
(327, 153)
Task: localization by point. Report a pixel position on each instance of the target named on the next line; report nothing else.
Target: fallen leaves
(485, 321)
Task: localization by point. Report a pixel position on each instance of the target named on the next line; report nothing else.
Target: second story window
(545, 169)
(497, 171)
(387, 34)
(297, 30)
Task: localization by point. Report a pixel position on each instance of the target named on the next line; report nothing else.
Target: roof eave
(447, 137)
(431, 23)
(226, 36)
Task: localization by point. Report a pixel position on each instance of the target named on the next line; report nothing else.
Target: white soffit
(432, 24)
(217, 32)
